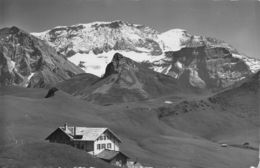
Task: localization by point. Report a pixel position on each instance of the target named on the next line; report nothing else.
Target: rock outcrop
(206, 67)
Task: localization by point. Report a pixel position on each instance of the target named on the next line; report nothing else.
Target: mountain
(92, 46)
(203, 62)
(99, 37)
(206, 67)
(124, 80)
(29, 62)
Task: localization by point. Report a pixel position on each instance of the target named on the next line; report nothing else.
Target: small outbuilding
(116, 158)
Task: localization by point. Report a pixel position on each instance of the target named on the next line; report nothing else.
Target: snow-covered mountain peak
(205, 61)
(102, 37)
(174, 39)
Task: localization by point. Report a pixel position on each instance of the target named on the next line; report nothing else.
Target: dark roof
(109, 154)
(58, 129)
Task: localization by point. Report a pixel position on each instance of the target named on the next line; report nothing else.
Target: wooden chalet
(99, 142)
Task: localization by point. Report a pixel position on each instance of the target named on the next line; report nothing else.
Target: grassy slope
(233, 115)
(28, 118)
(43, 154)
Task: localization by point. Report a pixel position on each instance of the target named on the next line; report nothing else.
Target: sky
(234, 21)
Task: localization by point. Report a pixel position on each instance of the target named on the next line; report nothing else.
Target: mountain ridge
(92, 46)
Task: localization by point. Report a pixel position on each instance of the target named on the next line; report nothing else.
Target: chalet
(99, 142)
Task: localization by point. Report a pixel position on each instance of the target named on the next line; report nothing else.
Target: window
(109, 146)
(82, 146)
(98, 146)
(105, 137)
(103, 146)
(101, 137)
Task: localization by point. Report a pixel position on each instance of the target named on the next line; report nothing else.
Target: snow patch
(91, 62)
(40, 35)
(179, 65)
(168, 102)
(12, 66)
(172, 39)
(30, 76)
(195, 80)
(159, 69)
(142, 49)
(168, 69)
(28, 79)
(253, 64)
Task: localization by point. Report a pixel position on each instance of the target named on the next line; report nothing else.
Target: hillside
(144, 135)
(43, 154)
(231, 116)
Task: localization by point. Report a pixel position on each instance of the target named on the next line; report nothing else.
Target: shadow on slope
(42, 154)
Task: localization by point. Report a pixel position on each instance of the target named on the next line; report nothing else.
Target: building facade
(106, 141)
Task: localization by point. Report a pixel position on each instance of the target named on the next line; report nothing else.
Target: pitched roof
(86, 133)
(59, 129)
(109, 154)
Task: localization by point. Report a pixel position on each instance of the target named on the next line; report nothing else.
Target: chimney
(74, 130)
(66, 127)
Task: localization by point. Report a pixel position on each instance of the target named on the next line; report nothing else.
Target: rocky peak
(118, 64)
(207, 67)
(11, 30)
(14, 34)
(113, 25)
